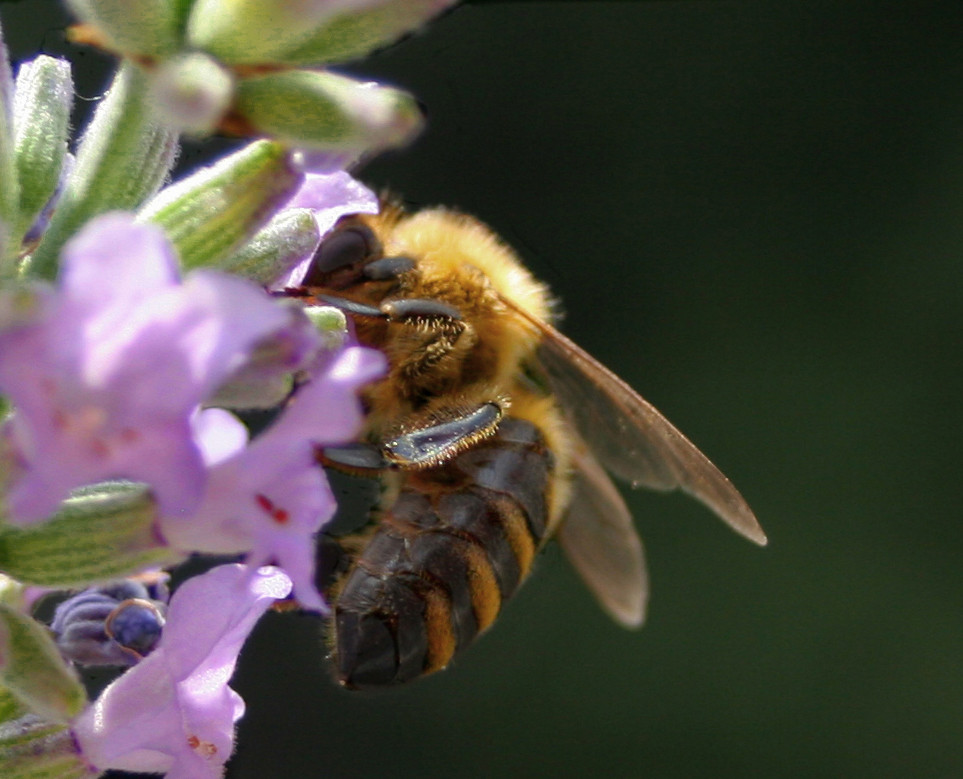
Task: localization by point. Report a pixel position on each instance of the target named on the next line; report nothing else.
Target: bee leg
(351, 307)
(442, 335)
(420, 311)
(428, 445)
(448, 332)
(359, 459)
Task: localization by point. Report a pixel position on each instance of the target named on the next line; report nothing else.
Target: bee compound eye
(343, 250)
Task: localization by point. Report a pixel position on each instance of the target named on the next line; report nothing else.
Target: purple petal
(210, 616)
(219, 434)
(174, 712)
(117, 259)
(292, 506)
(178, 349)
(134, 723)
(339, 193)
(326, 409)
(106, 379)
(330, 196)
(268, 501)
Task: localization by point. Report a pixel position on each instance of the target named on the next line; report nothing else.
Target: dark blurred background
(753, 212)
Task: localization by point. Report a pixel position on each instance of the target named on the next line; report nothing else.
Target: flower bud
(115, 624)
(122, 160)
(191, 92)
(323, 110)
(209, 214)
(290, 235)
(42, 106)
(33, 749)
(258, 31)
(352, 33)
(331, 323)
(32, 668)
(105, 532)
(10, 189)
(138, 27)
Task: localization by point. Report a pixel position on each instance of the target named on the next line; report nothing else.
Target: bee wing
(630, 437)
(599, 539)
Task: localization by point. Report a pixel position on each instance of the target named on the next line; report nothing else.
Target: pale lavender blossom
(174, 712)
(270, 498)
(106, 378)
(330, 196)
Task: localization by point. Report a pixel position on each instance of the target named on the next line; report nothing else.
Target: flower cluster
(136, 320)
(259, 65)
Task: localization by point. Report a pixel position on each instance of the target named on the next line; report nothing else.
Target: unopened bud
(322, 110)
(211, 213)
(32, 668)
(31, 748)
(42, 121)
(104, 532)
(288, 237)
(115, 624)
(331, 323)
(139, 27)
(191, 92)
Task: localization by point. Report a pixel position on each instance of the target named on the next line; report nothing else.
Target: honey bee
(492, 433)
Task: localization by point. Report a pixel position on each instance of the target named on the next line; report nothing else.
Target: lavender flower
(108, 375)
(270, 498)
(111, 371)
(174, 712)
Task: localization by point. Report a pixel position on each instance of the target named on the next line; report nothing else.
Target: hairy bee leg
(432, 444)
(444, 336)
(420, 311)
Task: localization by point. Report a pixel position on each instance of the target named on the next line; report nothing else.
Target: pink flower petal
(173, 712)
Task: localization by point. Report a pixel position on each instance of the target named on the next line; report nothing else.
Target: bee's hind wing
(599, 539)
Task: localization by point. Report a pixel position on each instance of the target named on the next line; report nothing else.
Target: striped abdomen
(457, 543)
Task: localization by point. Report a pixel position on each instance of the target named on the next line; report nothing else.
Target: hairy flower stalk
(135, 319)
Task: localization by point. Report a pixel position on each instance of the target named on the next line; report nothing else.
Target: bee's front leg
(435, 340)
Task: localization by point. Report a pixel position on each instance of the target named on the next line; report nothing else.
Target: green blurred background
(753, 212)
